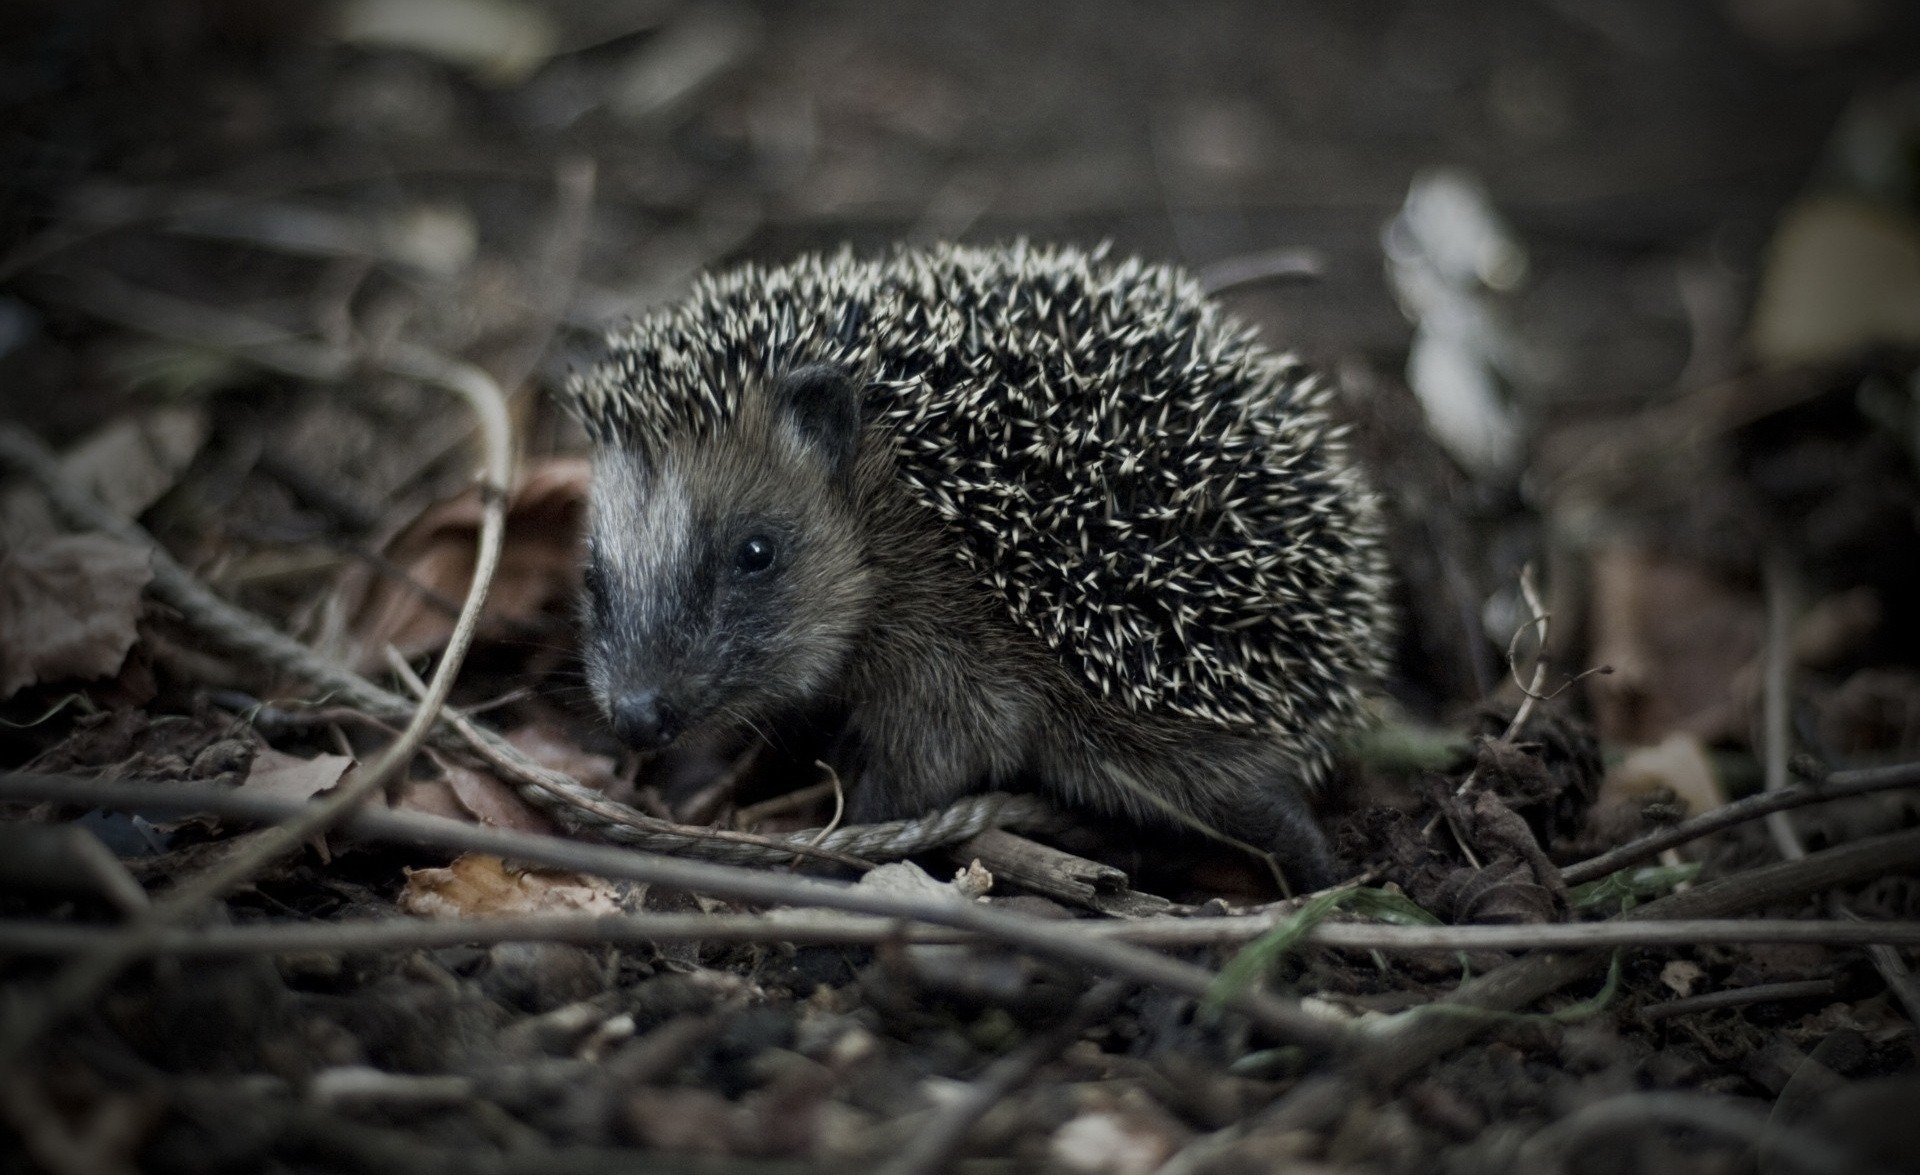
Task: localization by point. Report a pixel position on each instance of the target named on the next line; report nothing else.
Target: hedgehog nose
(644, 720)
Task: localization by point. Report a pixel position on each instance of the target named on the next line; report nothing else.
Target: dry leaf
(125, 466)
(277, 773)
(467, 795)
(480, 886)
(431, 797)
(548, 748)
(68, 607)
(494, 803)
(539, 565)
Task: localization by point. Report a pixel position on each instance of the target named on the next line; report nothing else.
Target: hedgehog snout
(644, 719)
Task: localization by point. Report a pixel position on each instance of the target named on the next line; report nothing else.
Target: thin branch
(1529, 693)
(83, 980)
(1280, 1018)
(1740, 997)
(1782, 605)
(1838, 786)
(826, 928)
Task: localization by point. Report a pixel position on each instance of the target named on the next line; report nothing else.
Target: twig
(828, 928)
(85, 978)
(839, 805)
(1041, 868)
(1410, 1049)
(1739, 997)
(934, 1145)
(1633, 1113)
(1538, 617)
(1529, 693)
(1278, 1017)
(1782, 605)
(1838, 786)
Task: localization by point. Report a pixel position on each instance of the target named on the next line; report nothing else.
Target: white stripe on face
(643, 527)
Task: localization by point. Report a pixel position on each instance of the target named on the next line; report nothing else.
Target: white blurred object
(1449, 257)
(497, 40)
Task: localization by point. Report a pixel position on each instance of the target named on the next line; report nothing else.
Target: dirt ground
(1622, 303)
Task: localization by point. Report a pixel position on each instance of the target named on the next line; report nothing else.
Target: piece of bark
(1059, 875)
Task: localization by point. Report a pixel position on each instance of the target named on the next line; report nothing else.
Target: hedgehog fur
(1124, 471)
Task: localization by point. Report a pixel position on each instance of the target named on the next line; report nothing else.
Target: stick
(1782, 605)
(817, 928)
(1280, 1018)
(1838, 786)
(1739, 997)
(1041, 868)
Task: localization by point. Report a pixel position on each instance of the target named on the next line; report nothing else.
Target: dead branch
(1739, 997)
(1838, 786)
(821, 928)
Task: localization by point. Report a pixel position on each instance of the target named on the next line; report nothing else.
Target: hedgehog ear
(821, 404)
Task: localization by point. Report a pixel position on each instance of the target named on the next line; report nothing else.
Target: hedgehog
(1023, 517)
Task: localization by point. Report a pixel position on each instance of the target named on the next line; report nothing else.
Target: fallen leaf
(431, 797)
(68, 608)
(480, 886)
(277, 773)
(539, 566)
(494, 803)
(125, 466)
(550, 749)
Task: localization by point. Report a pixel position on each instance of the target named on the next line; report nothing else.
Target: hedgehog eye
(754, 556)
(595, 580)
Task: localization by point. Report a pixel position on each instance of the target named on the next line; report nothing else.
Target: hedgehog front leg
(1237, 787)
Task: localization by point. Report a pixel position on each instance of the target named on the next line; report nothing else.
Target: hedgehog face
(726, 579)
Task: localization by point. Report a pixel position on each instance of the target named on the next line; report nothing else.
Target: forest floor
(1623, 305)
